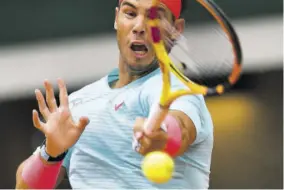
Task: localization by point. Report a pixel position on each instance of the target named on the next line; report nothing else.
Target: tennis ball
(158, 167)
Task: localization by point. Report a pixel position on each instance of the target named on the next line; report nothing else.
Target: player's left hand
(148, 142)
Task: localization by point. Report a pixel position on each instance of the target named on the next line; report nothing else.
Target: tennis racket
(207, 57)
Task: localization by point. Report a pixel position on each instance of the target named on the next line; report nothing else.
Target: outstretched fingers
(50, 98)
(63, 94)
(83, 122)
(36, 121)
(42, 105)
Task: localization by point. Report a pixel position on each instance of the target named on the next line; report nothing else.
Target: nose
(140, 26)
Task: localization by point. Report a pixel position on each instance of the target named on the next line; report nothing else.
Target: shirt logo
(117, 106)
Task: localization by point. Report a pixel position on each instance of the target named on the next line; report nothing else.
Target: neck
(128, 74)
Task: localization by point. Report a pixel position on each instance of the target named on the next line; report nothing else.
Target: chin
(138, 65)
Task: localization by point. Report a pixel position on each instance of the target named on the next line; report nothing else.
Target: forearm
(178, 132)
(187, 129)
(20, 184)
(36, 173)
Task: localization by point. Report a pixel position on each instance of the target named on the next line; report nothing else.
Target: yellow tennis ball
(158, 167)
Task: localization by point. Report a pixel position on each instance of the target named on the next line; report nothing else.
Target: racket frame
(159, 112)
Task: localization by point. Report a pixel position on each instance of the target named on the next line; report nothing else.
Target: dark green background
(29, 20)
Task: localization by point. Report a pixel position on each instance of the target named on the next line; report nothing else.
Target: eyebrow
(125, 3)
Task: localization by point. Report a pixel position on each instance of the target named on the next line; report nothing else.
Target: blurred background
(75, 40)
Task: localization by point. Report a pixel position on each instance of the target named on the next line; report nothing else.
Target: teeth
(139, 44)
(140, 52)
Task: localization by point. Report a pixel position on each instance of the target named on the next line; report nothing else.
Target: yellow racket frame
(157, 114)
(167, 66)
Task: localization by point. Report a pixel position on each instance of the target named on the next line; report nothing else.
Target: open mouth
(139, 49)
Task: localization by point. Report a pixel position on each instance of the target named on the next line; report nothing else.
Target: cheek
(124, 26)
(122, 38)
(122, 33)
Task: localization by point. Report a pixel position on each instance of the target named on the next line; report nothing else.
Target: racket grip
(155, 118)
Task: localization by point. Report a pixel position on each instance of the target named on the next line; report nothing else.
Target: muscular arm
(20, 184)
(188, 130)
(187, 110)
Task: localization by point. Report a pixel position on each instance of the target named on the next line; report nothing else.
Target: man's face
(133, 35)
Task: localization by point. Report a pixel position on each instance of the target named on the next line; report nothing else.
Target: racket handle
(155, 119)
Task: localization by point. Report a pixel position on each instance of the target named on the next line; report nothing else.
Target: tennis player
(89, 135)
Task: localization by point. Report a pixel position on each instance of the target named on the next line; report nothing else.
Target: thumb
(138, 128)
(157, 135)
(36, 121)
(83, 122)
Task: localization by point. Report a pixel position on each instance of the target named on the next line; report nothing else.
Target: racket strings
(201, 55)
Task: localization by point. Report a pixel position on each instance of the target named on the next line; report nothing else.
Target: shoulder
(88, 90)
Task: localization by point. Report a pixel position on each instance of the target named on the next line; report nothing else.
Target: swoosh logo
(117, 106)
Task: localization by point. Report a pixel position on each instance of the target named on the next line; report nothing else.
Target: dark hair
(183, 5)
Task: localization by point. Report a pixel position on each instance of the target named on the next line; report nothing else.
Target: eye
(130, 14)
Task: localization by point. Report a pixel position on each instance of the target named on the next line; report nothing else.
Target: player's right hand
(60, 130)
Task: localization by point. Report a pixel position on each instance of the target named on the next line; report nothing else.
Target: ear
(179, 25)
(116, 17)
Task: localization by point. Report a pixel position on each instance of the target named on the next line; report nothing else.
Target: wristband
(49, 158)
(174, 135)
(39, 175)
